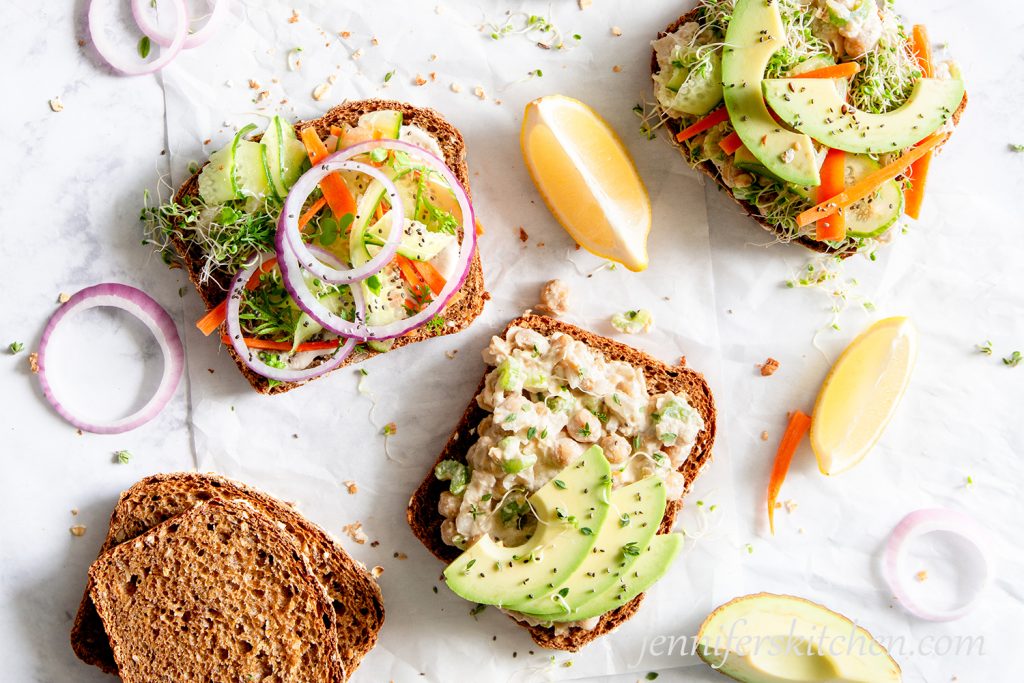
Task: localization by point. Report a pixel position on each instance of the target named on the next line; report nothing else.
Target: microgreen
(15, 347)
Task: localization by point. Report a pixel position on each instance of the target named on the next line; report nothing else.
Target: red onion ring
(154, 317)
(251, 356)
(144, 19)
(924, 522)
(288, 222)
(291, 274)
(103, 47)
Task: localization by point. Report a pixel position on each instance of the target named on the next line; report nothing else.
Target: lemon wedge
(861, 392)
(587, 179)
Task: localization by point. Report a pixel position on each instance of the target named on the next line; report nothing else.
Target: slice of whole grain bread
(425, 520)
(218, 593)
(708, 168)
(355, 596)
(464, 307)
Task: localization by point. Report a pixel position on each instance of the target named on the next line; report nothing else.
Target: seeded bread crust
(356, 597)
(425, 520)
(466, 304)
(672, 128)
(215, 594)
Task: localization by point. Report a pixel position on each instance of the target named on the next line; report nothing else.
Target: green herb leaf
(586, 531)
(15, 347)
(1016, 148)
(651, 675)
(1013, 360)
(531, 432)
(389, 75)
(559, 484)
(123, 457)
(985, 348)
(563, 592)
(373, 284)
(144, 46)
(631, 549)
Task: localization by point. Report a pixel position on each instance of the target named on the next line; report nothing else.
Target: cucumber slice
(418, 243)
(388, 123)
(251, 170)
(694, 92)
(273, 141)
(873, 215)
(381, 346)
(215, 184)
(295, 160)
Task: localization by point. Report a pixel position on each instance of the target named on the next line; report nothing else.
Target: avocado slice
(570, 511)
(766, 638)
(755, 33)
(635, 516)
(815, 106)
(650, 565)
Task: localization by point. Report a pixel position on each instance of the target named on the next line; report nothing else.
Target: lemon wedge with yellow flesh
(861, 393)
(587, 179)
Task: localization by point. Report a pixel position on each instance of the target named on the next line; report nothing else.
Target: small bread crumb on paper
(523, 235)
(77, 530)
(294, 18)
(321, 91)
(456, 87)
(351, 487)
(33, 362)
(377, 571)
(56, 105)
(764, 436)
(63, 298)
(584, 4)
(420, 80)
(355, 532)
(616, 31)
(479, 92)
(921, 576)
(769, 367)
(616, 69)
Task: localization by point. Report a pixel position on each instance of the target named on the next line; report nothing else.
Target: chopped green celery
(455, 472)
(511, 375)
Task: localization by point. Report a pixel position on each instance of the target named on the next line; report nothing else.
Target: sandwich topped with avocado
(320, 243)
(819, 117)
(555, 497)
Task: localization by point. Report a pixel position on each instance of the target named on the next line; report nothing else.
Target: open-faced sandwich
(555, 496)
(818, 116)
(201, 578)
(288, 239)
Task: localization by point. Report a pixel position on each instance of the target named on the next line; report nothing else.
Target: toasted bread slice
(708, 168)
(464, 307)
(218, 593)
(355, 596)
(425, 520)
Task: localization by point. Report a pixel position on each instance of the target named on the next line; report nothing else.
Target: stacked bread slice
(202, 578)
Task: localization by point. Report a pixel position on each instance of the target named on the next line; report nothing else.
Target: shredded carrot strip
(311, 211)
(430, 275)
(216, 316)
(844, 70)
(712, 119)
(410, 273)
(833, 181)
(923, 50)
(730, 143)
(267, 345)
(479, 228)
(334, 188)
(913, 196)
(799, 423)
(869, 183)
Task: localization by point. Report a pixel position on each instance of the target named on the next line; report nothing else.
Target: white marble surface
(76, 179)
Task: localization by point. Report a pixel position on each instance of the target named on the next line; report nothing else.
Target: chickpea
(585, 427)
(567, 451)
(448, 506)
(448, 531)
(616, 448)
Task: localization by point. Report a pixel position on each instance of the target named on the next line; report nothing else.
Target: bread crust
(425, 520)
(466, 304)
(708, 168)
(357, 600)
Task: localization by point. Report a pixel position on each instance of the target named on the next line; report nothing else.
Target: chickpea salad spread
(549, 399)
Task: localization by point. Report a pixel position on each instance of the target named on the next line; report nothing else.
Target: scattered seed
(56, 105)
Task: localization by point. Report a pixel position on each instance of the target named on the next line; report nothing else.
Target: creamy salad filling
(548, 398)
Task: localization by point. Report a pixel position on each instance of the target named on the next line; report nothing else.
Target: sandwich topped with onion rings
(321, 244)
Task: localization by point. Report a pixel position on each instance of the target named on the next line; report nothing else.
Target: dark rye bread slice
(425, 520)
(708, 168)
(355, 596)
(464, 307)
(219, 593)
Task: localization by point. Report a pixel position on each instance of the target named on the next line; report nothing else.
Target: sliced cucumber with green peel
(381, 346)
(252, 174)
(215, 182)
(877, 213)
(692, 91)
(418, 243)
(273, 140)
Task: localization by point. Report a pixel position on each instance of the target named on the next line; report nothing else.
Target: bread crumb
(682, 361)
(523, 235)
(616, 31)
(420, 80)
(375, 544)
(345, 34)
(401, 556)
(790, 505)
(357, 54)
(456, 87)
(77, 530)
(294, 18)
(921, 576)
(207, 141)
(355, 532)
(433, 75)
(33, 362)
(479, 92)
(351, 487)
(321, 91)
(74, 512)
(433, 58)
(769, 367)
(63, 298)
(764, 436)
(253, 85)
(262, 95)
(451, 354)
(554, 298)
(56, 105)
(332, 79)
(374, 41)
(376, 571)
(616, 69)
(584, 4)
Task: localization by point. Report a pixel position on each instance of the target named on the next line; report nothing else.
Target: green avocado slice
(755, 33)
(767, 638)
(570, 511)
(815, 106)
(635, 516)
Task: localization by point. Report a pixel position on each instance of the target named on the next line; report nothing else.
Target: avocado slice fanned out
(816, 107)
(635, 516)
(570, 510)
(755, 33)
(766, 638)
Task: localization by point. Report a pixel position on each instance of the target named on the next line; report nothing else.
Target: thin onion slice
(144, 18)
(251, 356)
(929, 521)
(104, 48)
(157, 321)
(288, 223)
